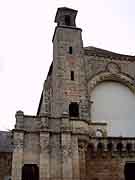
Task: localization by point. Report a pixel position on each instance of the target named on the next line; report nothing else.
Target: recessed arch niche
(114, 103)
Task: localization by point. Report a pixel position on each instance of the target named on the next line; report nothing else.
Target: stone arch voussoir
(108, 76)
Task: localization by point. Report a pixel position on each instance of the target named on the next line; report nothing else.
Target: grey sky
(26, 30)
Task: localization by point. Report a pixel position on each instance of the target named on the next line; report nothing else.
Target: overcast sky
(26, 30)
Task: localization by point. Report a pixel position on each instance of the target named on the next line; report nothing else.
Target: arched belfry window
(67, 20)
(74, 109)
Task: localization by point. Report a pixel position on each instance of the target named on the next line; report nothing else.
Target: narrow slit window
(70, 50)
(72, 75)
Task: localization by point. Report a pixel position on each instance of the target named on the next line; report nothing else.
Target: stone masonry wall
(66, 90)
(106, 167)
(95, 65)
(105, 158)
(5, 164)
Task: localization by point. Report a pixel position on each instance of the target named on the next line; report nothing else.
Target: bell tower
(68, 79)
(66, 17)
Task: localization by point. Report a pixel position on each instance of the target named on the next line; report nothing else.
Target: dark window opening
(110, 146)
(30, 172)
(70, 50)
(119, 147)
(90, 148)
(100, 147)
(129, 171)
(72, 75)
(73, 109)
(129, 147)
(67, 20)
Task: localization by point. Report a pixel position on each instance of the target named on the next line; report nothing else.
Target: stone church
(84, 128)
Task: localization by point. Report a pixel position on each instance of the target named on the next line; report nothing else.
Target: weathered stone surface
(5, 164)
(65, 146)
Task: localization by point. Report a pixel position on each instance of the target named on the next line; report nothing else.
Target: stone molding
(97, 52)
(18, 140)
(113, 68)
(115, 145)
(108, 76)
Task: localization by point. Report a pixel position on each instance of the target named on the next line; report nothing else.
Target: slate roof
(6, 141)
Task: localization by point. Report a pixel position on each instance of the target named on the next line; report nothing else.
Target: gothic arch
(108, 76)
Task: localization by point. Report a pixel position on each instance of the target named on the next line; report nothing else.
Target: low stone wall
(105, 158)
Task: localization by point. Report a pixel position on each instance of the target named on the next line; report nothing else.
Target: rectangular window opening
(67, 20)
(72, 76)
(70, 50)
(73, 109)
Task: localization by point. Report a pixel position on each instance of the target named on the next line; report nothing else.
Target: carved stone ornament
(18, 142)
(113, 68)
(44, 143)
(66, 151)
(82, 146)
(108, 76)
(44, 123)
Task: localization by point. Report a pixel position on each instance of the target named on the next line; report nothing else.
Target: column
(66, 156)
(82, 160)
(44, 156)
(17, 161)
(75, 158)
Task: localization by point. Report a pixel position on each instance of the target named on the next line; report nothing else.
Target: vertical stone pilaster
(82, 160)
(121, 170)
(17, 161)
(44, 156)
(55, 157)
(75, 158)
(84, 108)
(66, 156)
(19, 120)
